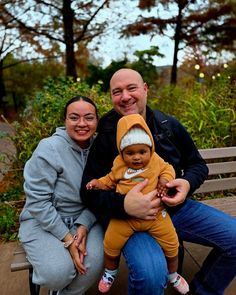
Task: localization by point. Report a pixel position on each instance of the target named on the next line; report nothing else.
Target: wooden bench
(222, 169)
(222, 177)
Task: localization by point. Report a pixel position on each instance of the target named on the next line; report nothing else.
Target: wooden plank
(225, 204)
(217, 153)
(214, 185)
(20, 261)
(223, 167)
(224, 183)
(19, 249)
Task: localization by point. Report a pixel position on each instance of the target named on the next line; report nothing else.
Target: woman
(60, 235)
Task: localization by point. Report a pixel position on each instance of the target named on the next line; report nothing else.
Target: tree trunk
(68, 17)
(2, 91)
(173, 80)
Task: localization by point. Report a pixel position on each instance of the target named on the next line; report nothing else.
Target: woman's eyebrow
(77, 114)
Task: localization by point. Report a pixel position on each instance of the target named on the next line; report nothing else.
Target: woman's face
(81, 122)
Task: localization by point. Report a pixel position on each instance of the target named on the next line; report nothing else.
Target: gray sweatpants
(52, 263)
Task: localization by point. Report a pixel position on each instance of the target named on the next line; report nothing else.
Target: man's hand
(182, 188)
(142, 206)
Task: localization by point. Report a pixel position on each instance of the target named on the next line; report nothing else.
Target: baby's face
(136, 156)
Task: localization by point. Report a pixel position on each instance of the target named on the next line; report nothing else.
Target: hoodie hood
(130, 121)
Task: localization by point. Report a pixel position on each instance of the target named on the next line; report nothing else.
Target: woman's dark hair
(78, 98)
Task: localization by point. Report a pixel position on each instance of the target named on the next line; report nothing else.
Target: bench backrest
(222, 169)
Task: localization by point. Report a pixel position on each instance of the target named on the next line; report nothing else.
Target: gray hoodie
(52, 184)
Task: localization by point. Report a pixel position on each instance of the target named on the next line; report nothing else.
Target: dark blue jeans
(197, 223)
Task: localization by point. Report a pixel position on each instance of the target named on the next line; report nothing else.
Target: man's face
(128, 93)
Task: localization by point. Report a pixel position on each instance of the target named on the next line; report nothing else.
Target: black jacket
(172, 143)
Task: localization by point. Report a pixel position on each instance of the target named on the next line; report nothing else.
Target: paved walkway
(16, 283)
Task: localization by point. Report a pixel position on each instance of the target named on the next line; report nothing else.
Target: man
(194, 221)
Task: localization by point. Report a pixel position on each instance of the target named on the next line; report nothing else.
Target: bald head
(123, 73)
(128, 92)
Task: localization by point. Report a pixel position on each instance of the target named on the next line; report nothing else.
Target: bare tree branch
(80, 37)
(29, 59)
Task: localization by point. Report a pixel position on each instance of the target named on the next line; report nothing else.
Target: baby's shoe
(106, 282)
(180, 285)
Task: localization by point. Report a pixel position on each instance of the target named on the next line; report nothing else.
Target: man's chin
(129, 112)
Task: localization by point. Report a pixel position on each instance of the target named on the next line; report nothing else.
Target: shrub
(207, 113)
(8, 222)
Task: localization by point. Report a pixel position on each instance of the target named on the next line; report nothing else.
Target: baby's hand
(161, 191)
(93, 184)
(161, 188)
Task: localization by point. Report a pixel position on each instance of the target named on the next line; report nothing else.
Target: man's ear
(146, 87)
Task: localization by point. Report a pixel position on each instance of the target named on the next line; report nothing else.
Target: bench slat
(220, 168)
(225, 204)
(20, 261)
(214, 185)
(20, 265)
(217, 153)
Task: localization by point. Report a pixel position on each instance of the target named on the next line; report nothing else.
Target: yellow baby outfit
(122, 179)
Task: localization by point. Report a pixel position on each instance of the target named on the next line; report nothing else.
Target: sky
(113, 48)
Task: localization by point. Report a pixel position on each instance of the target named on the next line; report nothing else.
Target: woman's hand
(78, 249)
(142, 206)
(181, 187)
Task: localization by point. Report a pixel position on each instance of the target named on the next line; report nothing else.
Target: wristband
(68, 243)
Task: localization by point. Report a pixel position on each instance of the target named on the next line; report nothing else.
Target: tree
(28, 74)
(209, 24)
(102, 76)
(51, 26)
(23, 78)
(145, 66)
(9, 42)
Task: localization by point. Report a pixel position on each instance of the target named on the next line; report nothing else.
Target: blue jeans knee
(148, 274)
